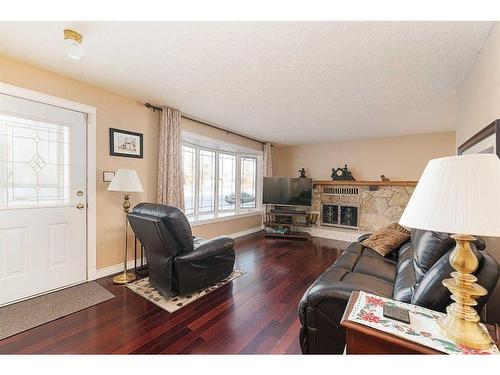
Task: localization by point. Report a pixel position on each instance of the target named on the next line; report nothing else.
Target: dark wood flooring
(255, 314)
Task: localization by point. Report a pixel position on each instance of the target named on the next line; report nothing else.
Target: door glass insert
(34, 163)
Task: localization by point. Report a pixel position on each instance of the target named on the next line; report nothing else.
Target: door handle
(80, 206)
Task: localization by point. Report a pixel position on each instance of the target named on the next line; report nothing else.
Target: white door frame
(36, 96)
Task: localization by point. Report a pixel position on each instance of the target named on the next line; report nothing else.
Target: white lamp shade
(127, 181)
(457, 194)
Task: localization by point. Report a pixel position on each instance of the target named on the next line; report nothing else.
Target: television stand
(283, 222)
(279, 211)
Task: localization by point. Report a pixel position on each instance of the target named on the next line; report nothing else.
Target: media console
(283, 222)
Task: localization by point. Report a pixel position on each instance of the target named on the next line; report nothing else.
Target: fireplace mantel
(365, 183)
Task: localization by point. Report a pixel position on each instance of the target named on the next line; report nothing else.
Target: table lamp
(459, 195)
(125, 181)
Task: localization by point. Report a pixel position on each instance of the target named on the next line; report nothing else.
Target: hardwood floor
(255, 314)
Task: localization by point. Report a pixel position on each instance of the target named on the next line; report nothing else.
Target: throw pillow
(388, 239)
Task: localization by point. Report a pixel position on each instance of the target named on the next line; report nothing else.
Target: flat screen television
(287, 191)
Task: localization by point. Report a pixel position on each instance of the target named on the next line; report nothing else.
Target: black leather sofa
(178, 262)
(413, 273)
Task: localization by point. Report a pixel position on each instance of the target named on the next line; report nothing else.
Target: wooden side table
(361, 339)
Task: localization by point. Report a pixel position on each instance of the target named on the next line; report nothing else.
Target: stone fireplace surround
(379, 203)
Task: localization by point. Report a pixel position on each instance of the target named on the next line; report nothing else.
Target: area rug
(34, 312)
(144, 288)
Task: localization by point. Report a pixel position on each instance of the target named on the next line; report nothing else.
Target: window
(206, 202)
(227, 182)
(219, 181)
(248, 182)
(189, 171)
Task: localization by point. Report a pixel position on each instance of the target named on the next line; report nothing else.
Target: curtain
(267, 172)
(268, 161)
(170, 181)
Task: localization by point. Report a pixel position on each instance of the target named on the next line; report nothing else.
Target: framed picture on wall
(125, 143)
(486, 141)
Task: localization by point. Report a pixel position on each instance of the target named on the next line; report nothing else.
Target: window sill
(214, 219)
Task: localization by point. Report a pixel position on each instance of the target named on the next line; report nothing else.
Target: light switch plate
(107, 176)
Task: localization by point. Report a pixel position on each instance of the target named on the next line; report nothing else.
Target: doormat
(24, 315)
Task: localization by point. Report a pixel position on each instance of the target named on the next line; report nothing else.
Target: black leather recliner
(412, 274)
(178, 262)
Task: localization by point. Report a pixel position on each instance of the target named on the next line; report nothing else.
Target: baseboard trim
(91, 273)
(246, 232)
(111, 270)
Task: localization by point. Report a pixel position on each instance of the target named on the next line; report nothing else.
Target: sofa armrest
(320, 312)
(479, 243)
(363, 237)
(328, 287)
(208, 249)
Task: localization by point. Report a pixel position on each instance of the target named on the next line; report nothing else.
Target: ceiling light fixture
(73, 44)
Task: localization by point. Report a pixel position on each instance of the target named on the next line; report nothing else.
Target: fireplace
(340, 215)
(361, 206)
(340, 206)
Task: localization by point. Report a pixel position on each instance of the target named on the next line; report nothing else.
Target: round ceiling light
(73, 44)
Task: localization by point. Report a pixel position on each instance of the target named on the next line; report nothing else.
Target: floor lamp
(125, 181)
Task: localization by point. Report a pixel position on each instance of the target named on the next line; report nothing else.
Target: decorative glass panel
(189, 170)
(207, 181)
(248, 182)
(34, 163)
(227, 182)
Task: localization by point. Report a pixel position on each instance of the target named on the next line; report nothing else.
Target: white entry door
(42, 198)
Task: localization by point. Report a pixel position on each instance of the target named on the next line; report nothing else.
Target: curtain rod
(155, 108)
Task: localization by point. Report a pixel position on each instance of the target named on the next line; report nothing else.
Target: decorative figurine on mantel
(312, 218)
(302, 173)
(383, 178)
(342, 174)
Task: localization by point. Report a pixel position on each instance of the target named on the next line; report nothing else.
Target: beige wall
(479, 94)
(120, 112)
(478, 105)
(227, 227)
(398, 158)
(479, 100)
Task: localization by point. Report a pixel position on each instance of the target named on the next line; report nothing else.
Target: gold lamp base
(461, 323)
(124, 278)
(470, 334)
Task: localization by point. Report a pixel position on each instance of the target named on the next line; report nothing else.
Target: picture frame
(125, 143)
(486, 141)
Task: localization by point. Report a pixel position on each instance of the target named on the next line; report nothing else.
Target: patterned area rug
(144, 288)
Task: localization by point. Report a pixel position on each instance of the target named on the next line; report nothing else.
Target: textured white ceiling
(288, 82)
